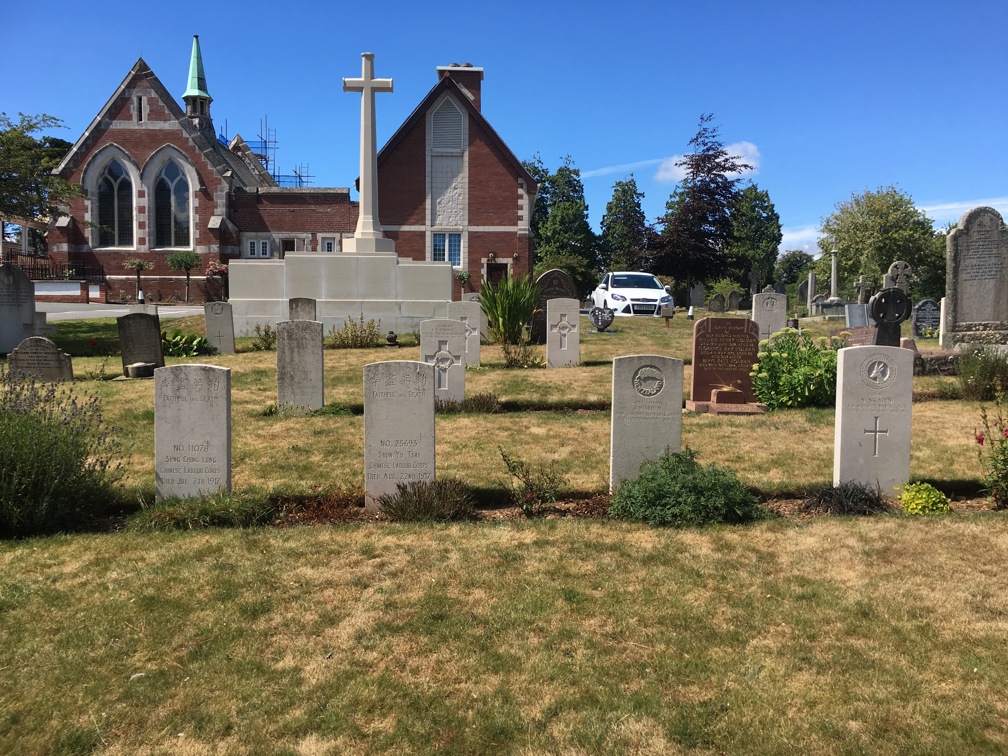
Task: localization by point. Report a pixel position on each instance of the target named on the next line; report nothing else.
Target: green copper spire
(197, 79)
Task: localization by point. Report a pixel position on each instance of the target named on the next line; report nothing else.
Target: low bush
(265, 338)
(923, 498)
(428, 501)
(983, 373)
(356, 334)
(58, 460)
(678, 491)
(185, 345)
(796, 370)
(992, 451)
(847, 499)
(218, 510)
(487, 404)
(532, 487)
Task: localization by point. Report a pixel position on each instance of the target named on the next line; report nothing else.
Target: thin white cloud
(800, 237)
(945, 212)
(624, 168)
(748, 152)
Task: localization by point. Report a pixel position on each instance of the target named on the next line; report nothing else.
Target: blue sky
(827, 99)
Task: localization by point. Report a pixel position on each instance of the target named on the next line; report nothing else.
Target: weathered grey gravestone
(469, 313)
(17, 307)
(300, 366)
(855, 315)
(140, 340)
(442, 344)
(697, 294)
(37, 357)
(769, 312)
(563, 337)
(647, 393)
(755, 281)
(863, 287)
(398, 427)
(871, 442)
(553, 284)
(301, 308)
(220, 326)
(926, 319)
(900, 272)
(889, 308)
(976, 279)
(724, 351)
(716, 303)
(734, 301)
(192, 430)
(816, 305)
(810, 290)
(803, 292)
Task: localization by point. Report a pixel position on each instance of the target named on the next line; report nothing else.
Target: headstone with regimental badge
(39, 358)
(300, 366)
(871, 442)
(469, 314)
(647, 392)
(442, 344)
(563, 333)
(220, 326)
(769, 312)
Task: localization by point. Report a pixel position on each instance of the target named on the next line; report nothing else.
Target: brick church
(157, 178)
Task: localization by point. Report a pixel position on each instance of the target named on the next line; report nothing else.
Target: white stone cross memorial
(563, 337)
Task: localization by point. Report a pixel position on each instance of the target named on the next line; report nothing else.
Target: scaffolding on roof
(265, 148)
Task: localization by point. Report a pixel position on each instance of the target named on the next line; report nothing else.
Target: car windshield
(635, 281)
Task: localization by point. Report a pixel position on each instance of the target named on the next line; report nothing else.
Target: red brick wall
(402, 181)
(321, 212)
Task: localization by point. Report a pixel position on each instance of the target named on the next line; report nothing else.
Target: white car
(632, 294)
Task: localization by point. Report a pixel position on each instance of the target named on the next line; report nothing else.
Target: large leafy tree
(756, 235)
(28, 188)
(792, 265)
(625, 232)
(697, 223)
(872, 230)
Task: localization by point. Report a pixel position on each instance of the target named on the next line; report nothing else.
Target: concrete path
(62, 311)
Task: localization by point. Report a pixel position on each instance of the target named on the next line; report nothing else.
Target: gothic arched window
(115, 207)
(171, 207)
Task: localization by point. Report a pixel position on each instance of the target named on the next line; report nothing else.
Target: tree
(792, 265)
(544, 199)
(186, 261)
(697, 221)
(624, 240)
(872, 230)
(756, 235)
(139, 266)
(28, 188)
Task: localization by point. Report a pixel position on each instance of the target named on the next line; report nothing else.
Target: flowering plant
(992, 450)
(216, 268)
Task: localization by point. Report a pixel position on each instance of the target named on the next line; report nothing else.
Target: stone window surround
(150, 173)
(90, 177)
(463, 244)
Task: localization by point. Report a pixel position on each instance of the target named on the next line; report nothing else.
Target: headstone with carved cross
(889, 308)
(871, 443)
(442, 344)
(563, 333)
(900, 272)
(220, 326)
(469, 314)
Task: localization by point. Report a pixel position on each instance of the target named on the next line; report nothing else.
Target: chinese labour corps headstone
(871, 442)
(140, 340)
(192, 430)
(976, 280)
(769, 312)
(220, 326)
(889, 308)
(301, 308)
(724, 351)
(398, 427)
(39, 358)
(553, 284)
(647, 393)
(469, 313)
(563, 337)
(442, 344)
(926, 319)
(300, 366)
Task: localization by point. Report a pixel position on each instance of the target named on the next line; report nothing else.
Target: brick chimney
(465, 75)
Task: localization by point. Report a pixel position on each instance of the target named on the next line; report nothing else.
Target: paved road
(62, 311)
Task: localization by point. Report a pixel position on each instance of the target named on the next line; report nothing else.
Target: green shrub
(185, 345)
(58, 466)
(795, 370)
(532, 487)
(677, 490)
(265, 338)
(992, 450)
(356, 334)
(847, 499)
(923, 498)
(983, 373)
(218, 510)
(509, 306)
(428, 501)
(724, 287)
(477, 403)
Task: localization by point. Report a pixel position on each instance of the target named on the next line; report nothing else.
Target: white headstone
(647, 393)
(442, 344)
(192, 430)
(871, 441)
(484, 322)
(17, 307)
(220, 326)
(39, 358)
(469, 313)
(300, 367)
(301, 308)
(563, 334)
(398, 426)
(769, 310)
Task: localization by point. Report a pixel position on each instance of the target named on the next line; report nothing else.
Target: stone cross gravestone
(976, 279)
(647, 393)
(553, 284)
(697, 294)
(716, 303)
(192, 430)
(900, 272)
(442, 344)
(398, 427)
(17, 307)
(469, 314)
(484, 323)
(300, 366)
(563, 337)
(926, 319)
(37, 357)
(769, 312)
(889, 308)
(863, 287)
(871, 442)
(301, 308)
(724, 352)
(220, 326)
(140, 340)
(734, 301)
(855, 315)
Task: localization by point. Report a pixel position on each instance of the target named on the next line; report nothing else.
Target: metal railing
(47, 269)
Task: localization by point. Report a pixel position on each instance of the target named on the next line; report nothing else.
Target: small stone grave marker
(926, 319)
(647, 392)
(140, 340)
(803, 293)
(716, 303)
(220, 326)
(398, 427)
(17, 307)
(697, 294)
(871, 443)
(469, 313)
(192, 430)
(300, 366)
(442, 344)
(553, 284)
(855, 315)
(301, 308)
(563, 339)
(601, 317)
(734, 301)
(769, 312)
(39, 358)
(724, 352)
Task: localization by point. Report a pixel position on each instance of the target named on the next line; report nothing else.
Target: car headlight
(618, 297)
(666, 299)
